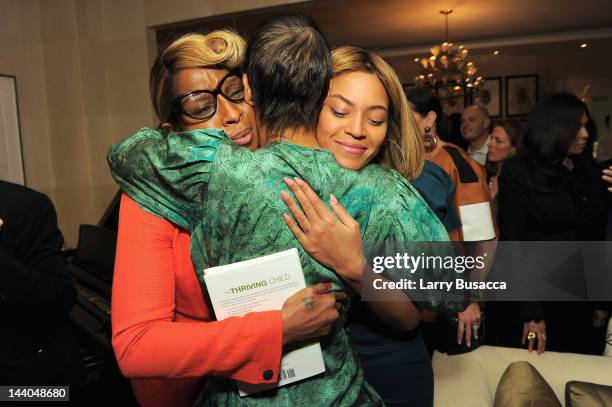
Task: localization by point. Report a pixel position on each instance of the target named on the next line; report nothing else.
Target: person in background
(453, 133)
(505, 142)
(472, 202)
(36, 294)
(551, 192)
(468, 177)
(476, 131)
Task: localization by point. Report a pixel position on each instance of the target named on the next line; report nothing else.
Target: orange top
(472, 196)
(164, 336)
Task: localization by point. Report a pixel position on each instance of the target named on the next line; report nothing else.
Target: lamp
(448, 67)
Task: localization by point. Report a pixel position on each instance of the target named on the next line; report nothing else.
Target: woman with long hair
(505, 143)
(472, 202)
(549, 192)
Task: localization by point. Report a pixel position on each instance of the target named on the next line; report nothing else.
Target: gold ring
(531, 336)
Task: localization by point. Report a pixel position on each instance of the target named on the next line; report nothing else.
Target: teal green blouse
(228, 197)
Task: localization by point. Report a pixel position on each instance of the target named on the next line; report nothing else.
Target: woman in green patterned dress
(228, 196)
(366, 111)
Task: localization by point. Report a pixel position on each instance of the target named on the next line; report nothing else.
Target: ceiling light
(496, 52)
(417, 59)
(584, 45)
(448, 67)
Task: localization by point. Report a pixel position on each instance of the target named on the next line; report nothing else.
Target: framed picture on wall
(488, 95)
(452, 101)
(11, 157)
(521, 94)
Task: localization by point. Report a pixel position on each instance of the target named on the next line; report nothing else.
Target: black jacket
(551, 204)
(36, 291)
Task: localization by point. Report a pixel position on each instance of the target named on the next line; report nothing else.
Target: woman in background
(366, 109)
(505, 142)
(550, 193)
(472, 203)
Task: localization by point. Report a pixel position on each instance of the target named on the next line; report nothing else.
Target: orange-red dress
(164, 336)
(472, 197)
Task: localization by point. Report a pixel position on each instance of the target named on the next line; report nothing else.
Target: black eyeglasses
(202, 104)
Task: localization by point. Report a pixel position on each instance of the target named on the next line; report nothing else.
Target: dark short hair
(425, 100)
(288, 64)
(552, 127)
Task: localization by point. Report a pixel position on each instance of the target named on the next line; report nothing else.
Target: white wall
(82, 71)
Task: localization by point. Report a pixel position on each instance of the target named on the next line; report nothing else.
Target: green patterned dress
(228, 197)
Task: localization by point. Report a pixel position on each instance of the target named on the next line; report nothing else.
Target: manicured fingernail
(288, 181)
(333, 199)
(299, 181)
(284, 196)
(287, 217)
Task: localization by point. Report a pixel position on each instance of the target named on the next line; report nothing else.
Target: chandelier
(448, 68)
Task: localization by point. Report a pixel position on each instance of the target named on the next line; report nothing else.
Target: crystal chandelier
(448, 67)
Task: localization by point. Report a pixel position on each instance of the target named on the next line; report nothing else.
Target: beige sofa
(470, 380)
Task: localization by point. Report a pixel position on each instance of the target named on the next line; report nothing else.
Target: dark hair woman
(505, 143)
(472, 202)
(551, 192)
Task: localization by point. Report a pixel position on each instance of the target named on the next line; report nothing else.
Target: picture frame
(11, 151)
(521, 94)
(489, 96)
(452, 102)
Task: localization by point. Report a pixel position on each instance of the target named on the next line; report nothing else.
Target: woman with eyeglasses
(164, 336)
(553, 192)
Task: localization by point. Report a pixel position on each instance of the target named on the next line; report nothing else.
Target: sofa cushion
(608, 349)
(522, 385)
(459, 382)
(583, 394)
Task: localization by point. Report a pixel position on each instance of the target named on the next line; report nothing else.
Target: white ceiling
(404, 23)
(389, 24)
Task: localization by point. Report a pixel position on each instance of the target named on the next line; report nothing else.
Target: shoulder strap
(466, 173)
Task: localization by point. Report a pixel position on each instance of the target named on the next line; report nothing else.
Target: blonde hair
(221, 49)
(403, 148)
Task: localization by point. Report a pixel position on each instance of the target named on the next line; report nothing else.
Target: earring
(429, 141)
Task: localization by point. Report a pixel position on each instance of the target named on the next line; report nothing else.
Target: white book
(263, 284)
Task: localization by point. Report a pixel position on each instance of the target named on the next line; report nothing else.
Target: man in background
(36, 293)
(476, 131)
